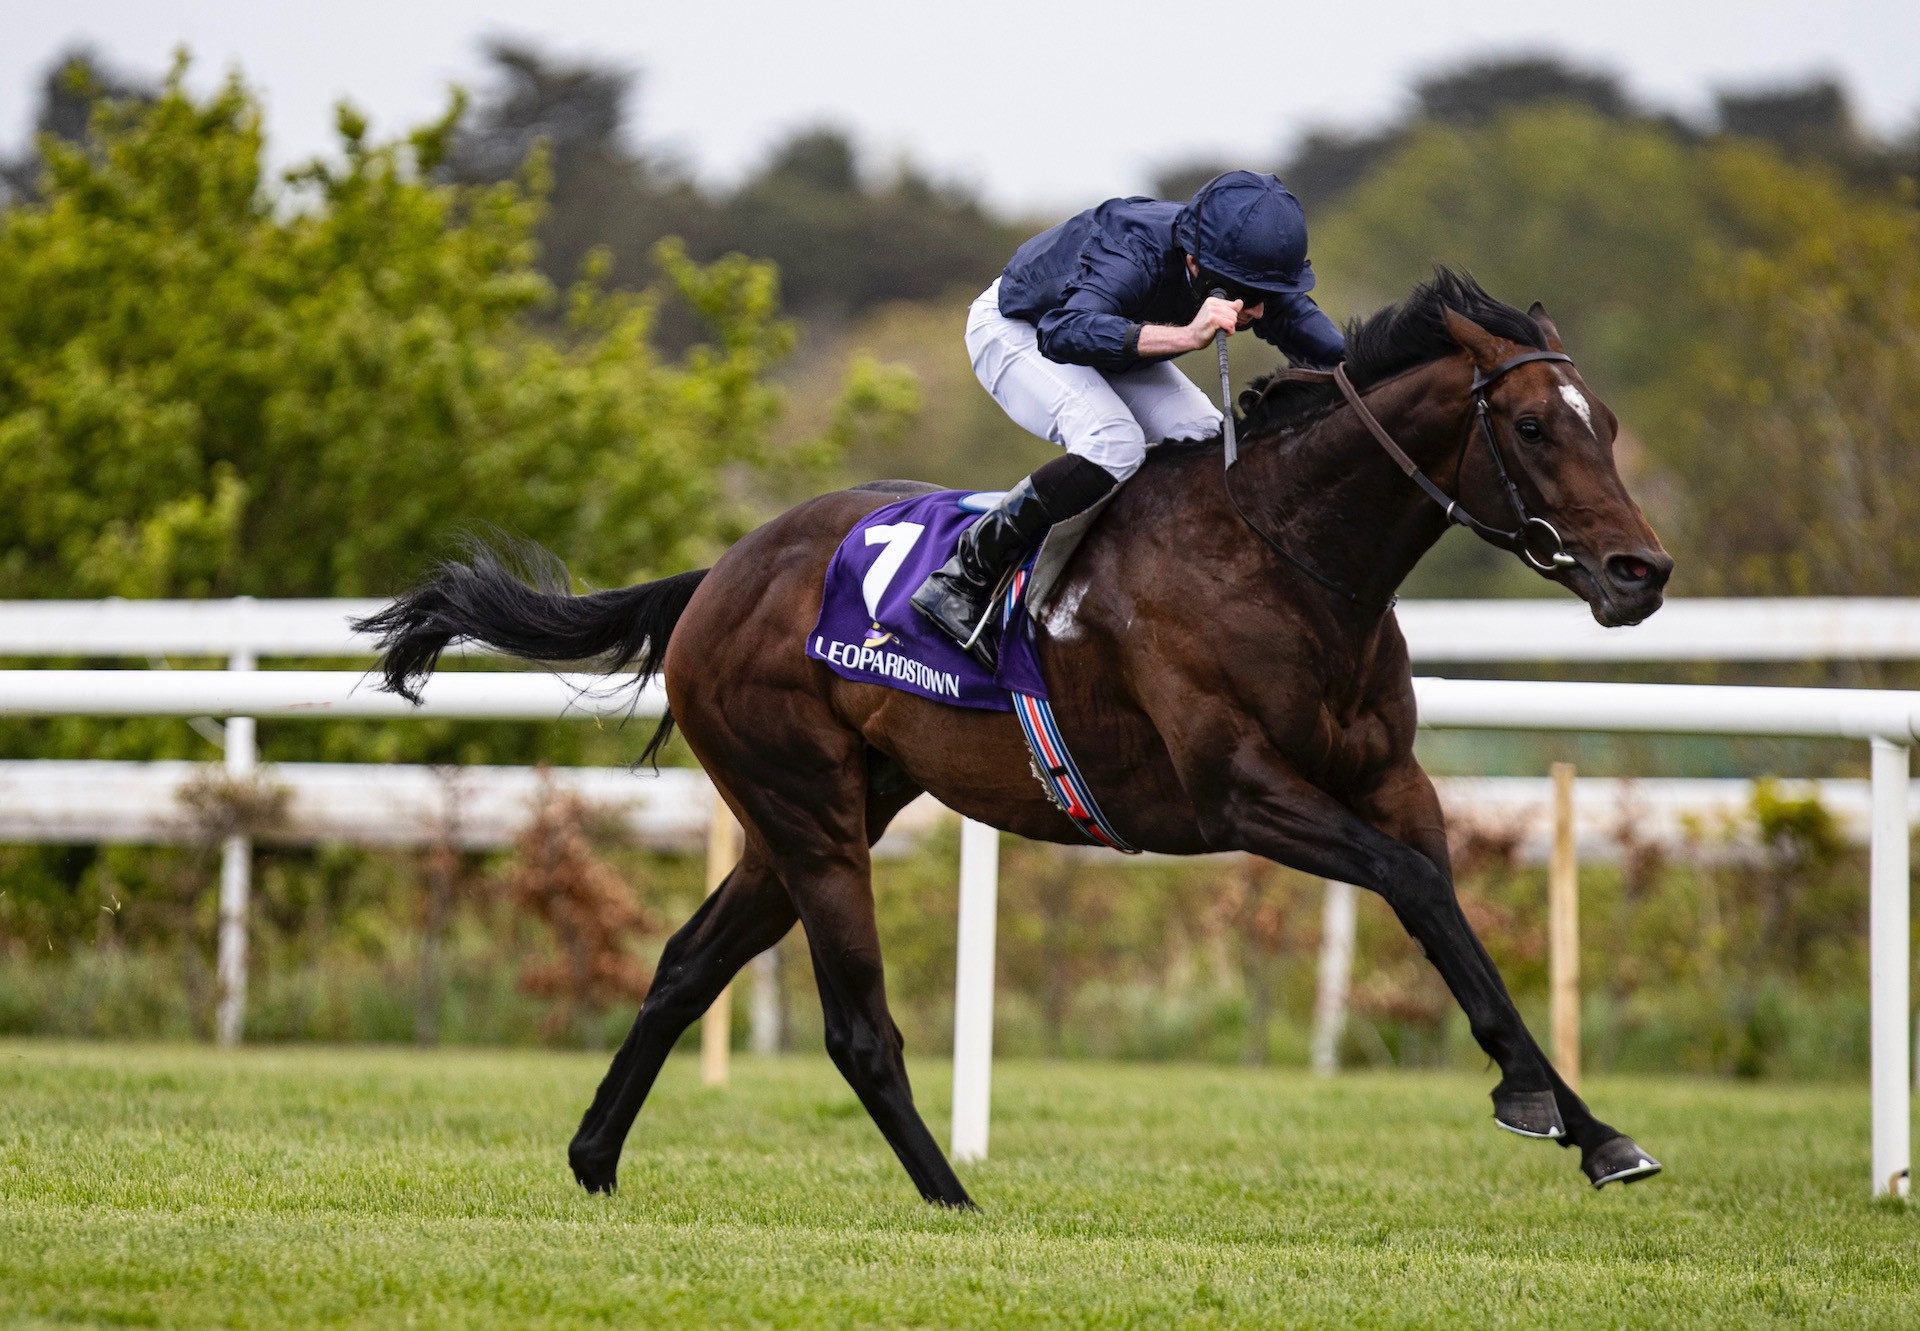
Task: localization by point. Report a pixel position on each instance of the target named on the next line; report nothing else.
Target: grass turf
(382, 1187)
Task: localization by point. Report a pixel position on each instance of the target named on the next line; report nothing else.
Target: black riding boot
(959, 596)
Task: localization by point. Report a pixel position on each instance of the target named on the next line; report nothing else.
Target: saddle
(1056, 551)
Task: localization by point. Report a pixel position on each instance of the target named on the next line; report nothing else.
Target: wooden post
(1563, 915)
(716, 1028)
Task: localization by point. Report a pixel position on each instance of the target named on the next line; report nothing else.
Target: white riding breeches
(1106, 418)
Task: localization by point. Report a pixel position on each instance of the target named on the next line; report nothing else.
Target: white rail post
(1337, 919)
(1889, 928)
(973, 989)
(236, 883)
(764, 1030)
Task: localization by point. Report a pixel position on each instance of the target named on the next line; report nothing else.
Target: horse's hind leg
(861, 1036)
(747, 914)
(836, 902)
(818, 810)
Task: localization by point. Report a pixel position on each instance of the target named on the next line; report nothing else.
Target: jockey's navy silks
(1088, 284)
(1058, 342)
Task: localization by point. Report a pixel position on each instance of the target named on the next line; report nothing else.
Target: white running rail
(1561, 629)
(51, 801)
(1886, 720)
(1438, 632)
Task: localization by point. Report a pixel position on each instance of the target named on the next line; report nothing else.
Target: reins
(1517, 538)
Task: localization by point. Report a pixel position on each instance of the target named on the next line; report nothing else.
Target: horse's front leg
(1263, 807)
(1405, 807)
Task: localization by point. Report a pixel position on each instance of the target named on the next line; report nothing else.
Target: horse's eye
(1528, 428)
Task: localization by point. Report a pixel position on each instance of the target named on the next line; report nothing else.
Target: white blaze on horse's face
(1578, 401)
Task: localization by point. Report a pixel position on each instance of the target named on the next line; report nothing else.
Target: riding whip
(1226, 391)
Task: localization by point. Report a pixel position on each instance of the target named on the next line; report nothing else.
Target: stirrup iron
(993, 602)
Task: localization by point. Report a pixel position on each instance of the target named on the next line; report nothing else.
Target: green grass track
(304, 1186)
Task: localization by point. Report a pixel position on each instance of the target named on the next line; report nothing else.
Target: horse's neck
(1332, 498)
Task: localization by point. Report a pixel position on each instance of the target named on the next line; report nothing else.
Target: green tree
(845, 238)
(217, 382)
(1805, 371)
(845, 243)
(605, 192)
(1814, 122)
(1603, 221)
(1482, 91)
(1710, 291)
(1330, 161)
(72, 87)
(213, 383)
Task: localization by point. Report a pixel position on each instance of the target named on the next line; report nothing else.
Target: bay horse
(1222, 656)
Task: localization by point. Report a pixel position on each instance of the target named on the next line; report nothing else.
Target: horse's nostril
(1635, 572)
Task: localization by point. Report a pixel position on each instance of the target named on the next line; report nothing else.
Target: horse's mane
(1389, 342)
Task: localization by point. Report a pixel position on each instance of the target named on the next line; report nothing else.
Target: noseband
(1520, 538)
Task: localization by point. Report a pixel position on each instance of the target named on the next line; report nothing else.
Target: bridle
(1551, 553)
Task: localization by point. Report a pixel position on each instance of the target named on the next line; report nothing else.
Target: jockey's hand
(1215, 315)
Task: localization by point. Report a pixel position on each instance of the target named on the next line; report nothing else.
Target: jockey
(1075, 338)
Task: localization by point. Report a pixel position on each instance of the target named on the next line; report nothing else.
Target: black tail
(530, 613)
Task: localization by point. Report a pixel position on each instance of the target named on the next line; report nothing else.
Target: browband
(1484, 380)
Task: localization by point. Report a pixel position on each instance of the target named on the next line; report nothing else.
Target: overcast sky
(1045, 105)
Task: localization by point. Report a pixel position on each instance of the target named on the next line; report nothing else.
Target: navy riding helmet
(1249, 236)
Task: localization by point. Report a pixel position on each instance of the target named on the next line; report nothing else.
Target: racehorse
(1221, 652)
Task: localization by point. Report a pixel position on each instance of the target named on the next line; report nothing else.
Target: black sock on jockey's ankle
(1070, 484)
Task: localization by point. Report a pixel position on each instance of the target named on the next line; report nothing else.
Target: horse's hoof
(1618, 1160)
(1528, 1113)
(594, 1172)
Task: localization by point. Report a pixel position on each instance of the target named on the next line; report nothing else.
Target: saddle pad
(868, 632)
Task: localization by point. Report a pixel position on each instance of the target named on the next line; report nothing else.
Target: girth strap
(1053, 764)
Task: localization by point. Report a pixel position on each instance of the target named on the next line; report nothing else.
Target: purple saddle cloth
(868, 632)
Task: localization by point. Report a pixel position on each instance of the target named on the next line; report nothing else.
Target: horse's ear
(1538, 313)
(1476, 341)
